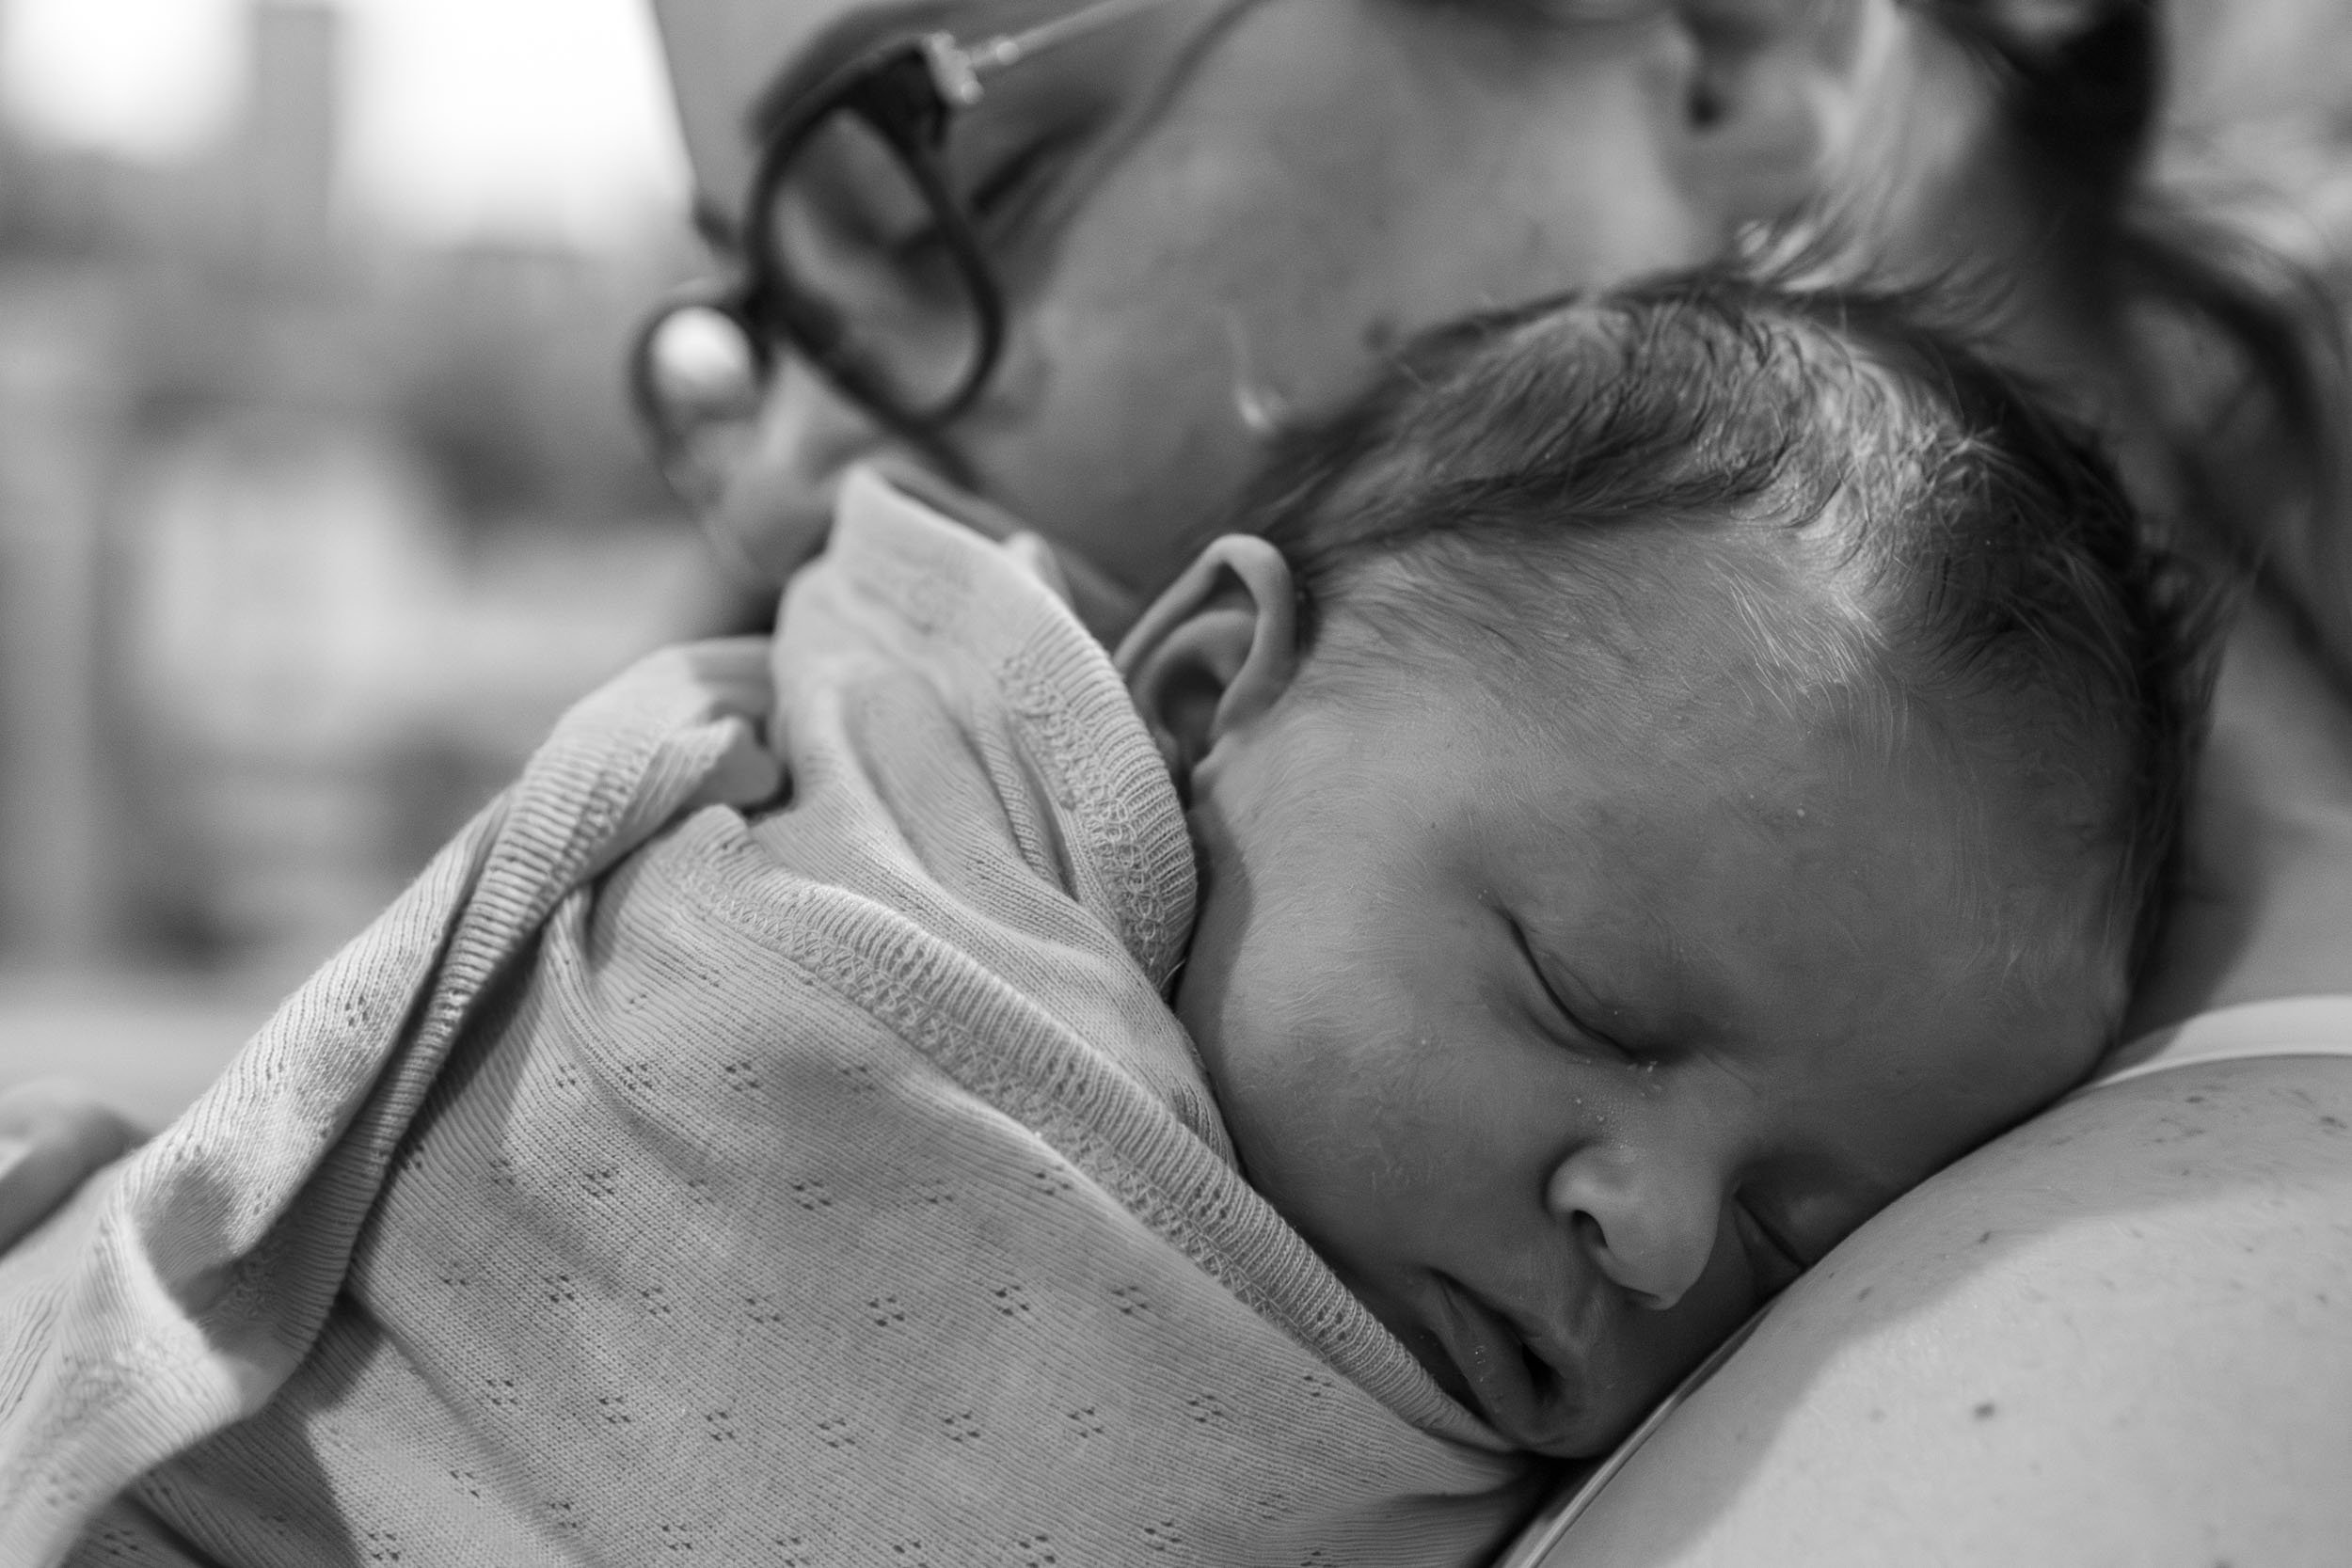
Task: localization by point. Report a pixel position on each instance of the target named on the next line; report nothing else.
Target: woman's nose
(1648, 1216)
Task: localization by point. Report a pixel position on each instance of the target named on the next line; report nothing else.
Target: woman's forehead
(721, 55)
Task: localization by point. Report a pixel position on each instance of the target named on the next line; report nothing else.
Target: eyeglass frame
(766, 306)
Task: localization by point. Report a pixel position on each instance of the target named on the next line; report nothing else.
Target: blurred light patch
(511, 118)
(151, 79)
(465, 121)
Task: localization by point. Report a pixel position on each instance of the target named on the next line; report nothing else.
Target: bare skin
(2119, 1334)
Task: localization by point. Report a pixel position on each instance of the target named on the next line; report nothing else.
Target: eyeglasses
(861, 254)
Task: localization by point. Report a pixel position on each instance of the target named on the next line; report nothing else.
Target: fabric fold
(176, 1293)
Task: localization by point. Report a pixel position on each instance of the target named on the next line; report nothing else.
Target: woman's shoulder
(2123, 1333)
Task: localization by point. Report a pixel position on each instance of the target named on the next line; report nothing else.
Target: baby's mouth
(1531, 1401)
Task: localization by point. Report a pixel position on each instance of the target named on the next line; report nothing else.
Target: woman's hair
(1964, 565)
(2239, 354)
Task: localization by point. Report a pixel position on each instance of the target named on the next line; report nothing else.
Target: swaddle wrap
(826, 1186)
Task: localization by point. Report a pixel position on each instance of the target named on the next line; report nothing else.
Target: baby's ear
(1214, 650)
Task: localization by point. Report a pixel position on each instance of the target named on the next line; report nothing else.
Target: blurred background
(318, 497)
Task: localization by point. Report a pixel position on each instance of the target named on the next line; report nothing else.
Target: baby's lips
(1535, 1401)
(1492, 1359)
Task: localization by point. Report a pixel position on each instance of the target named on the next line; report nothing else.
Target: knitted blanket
(826, 1183)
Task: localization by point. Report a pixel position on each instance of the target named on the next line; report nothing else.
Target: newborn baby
(1659, 775)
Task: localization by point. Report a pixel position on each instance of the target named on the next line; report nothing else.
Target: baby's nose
(1649, 1221)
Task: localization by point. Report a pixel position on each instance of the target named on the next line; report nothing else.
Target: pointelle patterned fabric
(824, 1184)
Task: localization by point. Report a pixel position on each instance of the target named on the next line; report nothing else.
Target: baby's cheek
(1643, 1354)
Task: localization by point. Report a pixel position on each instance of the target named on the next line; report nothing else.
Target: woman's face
(1241, 201)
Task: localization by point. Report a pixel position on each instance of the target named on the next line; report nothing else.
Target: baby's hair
(1973, 566)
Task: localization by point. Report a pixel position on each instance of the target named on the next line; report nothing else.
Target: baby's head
(1671, 771)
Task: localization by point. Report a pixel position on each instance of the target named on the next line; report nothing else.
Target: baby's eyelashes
(1576, 1021)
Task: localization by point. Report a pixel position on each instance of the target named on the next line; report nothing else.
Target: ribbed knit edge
(1080, 726)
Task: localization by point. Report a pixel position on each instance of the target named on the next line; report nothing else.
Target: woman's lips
(1525, 1399)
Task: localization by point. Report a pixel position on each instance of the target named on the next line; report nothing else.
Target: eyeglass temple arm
(961, 69)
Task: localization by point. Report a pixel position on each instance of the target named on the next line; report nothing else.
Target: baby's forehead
(1776, 662)
(1798, 890)
(1686, 774)
(1643, 626)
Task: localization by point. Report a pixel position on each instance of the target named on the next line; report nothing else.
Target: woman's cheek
(1130, 382)
(1128, 456)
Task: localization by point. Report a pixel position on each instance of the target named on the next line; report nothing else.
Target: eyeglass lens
(861, 245)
